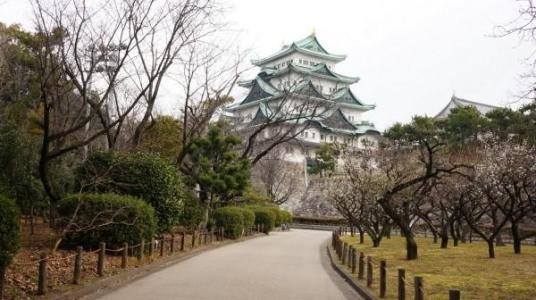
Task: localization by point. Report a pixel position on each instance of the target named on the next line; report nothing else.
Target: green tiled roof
(260, 89)
(320, 70)
(308, 45)
(345, 95)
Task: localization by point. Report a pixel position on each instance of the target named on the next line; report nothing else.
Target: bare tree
(505, 178)
(90, 51)
(279, 178)
(355, 195)
(413, 162)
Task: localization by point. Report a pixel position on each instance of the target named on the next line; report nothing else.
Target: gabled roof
(311, 43)
(483, 108)
(337, 120)
(262, 115)
(308, 46)
(319, 71)
(260, 89)
(307, 88)
(345, 95)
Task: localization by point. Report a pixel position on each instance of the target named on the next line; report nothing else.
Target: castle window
(313, 135)
(322, 137)
(306, 134)
(300, 60)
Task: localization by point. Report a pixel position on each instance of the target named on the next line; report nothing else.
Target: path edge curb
(349, 279)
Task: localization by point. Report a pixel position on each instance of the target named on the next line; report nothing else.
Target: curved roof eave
(295, 48)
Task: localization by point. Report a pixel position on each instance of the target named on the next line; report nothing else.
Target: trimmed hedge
(249, 217)
(142, 175)
(286, 217)
(231, 219)
(278, 216)
(266, 217)
(130, 220)
(319, 220)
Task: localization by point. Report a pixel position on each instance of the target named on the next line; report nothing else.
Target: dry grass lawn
(466, 267)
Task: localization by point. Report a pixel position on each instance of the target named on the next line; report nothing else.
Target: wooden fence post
(454, 295)
(383, 278)
(42, 280)
(200, 236)
(151, 249)
(162, 246)
(77, 265)
(369, 271)
(124, 256)
(344, 253)
(205, 237)
(354, 260)
(183, 237)
(193, 239)
(172, 245)
(142, 250)
(211, 236)
(361, 270)
(419, 293)
(401, 284)
(349, 257)
(101, 258)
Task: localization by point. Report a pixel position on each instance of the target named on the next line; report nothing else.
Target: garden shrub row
(237, 219)
(110, 218)
(319, 220)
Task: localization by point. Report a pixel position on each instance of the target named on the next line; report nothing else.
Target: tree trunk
(361, 236)
(444, 241)
(444, 237)
(375, 243)
(470, 236)
(491, 249)
(411, 247)
(516, 238)
(2, 275)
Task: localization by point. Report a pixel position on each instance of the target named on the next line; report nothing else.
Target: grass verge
(466, 267)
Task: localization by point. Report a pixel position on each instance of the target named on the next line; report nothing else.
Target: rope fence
(175, 243)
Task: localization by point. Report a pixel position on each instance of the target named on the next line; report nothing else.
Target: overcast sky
(411, 55)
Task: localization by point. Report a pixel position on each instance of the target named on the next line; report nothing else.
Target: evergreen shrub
(146, 176)
(266, 217)
(110, 218)
(231, 219)
(9, 235)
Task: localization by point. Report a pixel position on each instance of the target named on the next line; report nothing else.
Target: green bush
(266, 217)
(9, 234)
(319, 220)
(286, 217)
(278, 215)
(142, 175)
(194, 212)
(249, 217)
(231, 219)
(110, 218)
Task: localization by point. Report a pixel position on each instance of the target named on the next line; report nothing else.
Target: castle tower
(305, 69)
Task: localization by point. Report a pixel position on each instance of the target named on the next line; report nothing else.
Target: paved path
(284, 265)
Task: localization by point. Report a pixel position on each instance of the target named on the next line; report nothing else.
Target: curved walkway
(284, 265)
